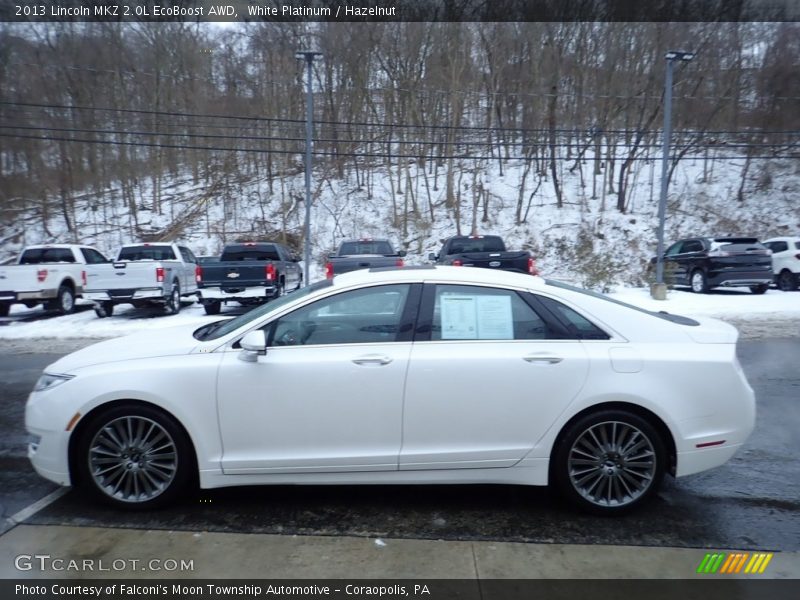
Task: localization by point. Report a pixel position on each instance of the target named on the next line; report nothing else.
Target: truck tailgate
(124, 275)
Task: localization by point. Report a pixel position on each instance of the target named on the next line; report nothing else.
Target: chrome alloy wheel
(612, 464)
(133, 459)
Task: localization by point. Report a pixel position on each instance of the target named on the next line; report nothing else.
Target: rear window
(483, 244)
(743, 245)
(146, 253)
(349, 248)
(37, 256)
(250, 253)
(681, 320)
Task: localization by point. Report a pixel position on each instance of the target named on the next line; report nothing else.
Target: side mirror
(433, 257)
(254, 344)
(402, 253)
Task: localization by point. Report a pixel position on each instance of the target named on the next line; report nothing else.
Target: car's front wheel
(609, 462)
(134, 456)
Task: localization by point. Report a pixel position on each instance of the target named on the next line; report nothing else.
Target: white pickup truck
(53, 275)
(142, 274)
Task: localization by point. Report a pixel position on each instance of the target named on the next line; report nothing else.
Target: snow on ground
(774, 314)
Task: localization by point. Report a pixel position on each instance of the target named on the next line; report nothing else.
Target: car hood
(171, 341)
(712, 331)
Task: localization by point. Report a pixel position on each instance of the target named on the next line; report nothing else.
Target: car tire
(698, 282)
(134, 456)
(212, 308)
(104, 309)
(788, 281)
(591, 464)
(759, 289)
(5, 307)
(173, 304)
(65, 300)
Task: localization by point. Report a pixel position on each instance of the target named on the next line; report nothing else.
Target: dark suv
(704, 263)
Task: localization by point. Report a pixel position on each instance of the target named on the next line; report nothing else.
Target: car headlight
(50, 380)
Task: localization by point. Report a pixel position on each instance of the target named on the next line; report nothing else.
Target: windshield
(218, 329)
(681, 320)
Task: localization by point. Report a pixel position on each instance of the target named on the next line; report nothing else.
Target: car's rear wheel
(788, 281)
(609, 462)
(134, 456)
(699, 282)
(212, 308)
(65, 300)
(104, 309)
(759, 289)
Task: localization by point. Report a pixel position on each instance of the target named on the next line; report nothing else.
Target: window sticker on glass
(494, 318)
(466, 317)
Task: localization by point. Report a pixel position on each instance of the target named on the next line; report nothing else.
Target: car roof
(441, 273)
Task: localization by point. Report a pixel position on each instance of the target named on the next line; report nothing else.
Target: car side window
(463, 312)
(692, 246)
(188, 255)
(367, 315)
(93, 257)
(778, 246)
(579, 326)
(674, 249)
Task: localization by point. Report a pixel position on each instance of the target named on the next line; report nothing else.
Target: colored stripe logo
(729, 563)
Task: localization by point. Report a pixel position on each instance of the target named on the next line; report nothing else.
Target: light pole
(309, 58)
(659, 290)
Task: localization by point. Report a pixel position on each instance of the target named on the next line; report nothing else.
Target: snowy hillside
(587, 240)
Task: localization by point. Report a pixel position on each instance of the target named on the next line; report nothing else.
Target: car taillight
(269, 272)
(198, 273)
(532, 270)
(83, 278)
(329, 271)
(457, 263)
(160, 274)
(41, 275)
(399, 262)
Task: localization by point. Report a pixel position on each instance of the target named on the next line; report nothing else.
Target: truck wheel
(65, 300)
(104, 309)
(4, 308)
(212, 308)
(759, 289)
(787, 281)
(173, 304)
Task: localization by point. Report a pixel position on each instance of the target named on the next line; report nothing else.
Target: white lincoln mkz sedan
(414, 375)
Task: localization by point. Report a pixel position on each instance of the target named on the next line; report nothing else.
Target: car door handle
(372, 359)
(542, 358)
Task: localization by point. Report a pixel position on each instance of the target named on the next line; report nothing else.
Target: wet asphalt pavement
(753, 502)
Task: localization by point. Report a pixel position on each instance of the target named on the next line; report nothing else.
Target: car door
(673, 255)
(488, 376)
(188, 264)
(328, 394)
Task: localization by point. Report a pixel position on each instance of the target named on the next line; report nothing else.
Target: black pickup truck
(248, 273)
(362, 254)
(488, 251)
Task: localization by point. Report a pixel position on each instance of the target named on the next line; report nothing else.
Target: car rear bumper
(215, 294)
(125, 296)
(740, 278)
(47, 294)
